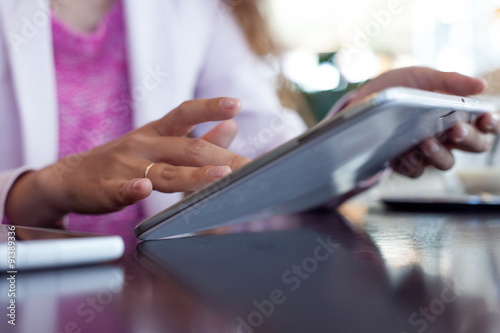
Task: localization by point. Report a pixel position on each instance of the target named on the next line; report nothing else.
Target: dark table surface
(363, 271)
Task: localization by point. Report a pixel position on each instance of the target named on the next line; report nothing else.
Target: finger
(489, 123)
(182, 119)
(466, 137)
(223, 134)
(450, 83)
(126, 193)
(410, 164)
(436, 154)
(422, 78)
(192, 152)
(168, 178)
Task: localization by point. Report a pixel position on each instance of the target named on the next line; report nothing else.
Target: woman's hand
(110, 177)
(434, 151)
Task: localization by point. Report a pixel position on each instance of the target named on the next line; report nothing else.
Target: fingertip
(228, 128)
(226, 132)
(459, 133)
(484, 83)
(141, 188)
(231, 125)
(463, 85)
(231, 106)
(477, 85)
(445, 164)
(218, 172)
(430, 147)
(489, 123)
(230, 103)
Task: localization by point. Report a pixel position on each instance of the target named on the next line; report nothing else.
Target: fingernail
(229, 103)
(492, 125)
(219, 172)
(137, 184)
(430, 148)
(463, 133)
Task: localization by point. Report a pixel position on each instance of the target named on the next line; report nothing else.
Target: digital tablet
(327, 162)
(26, 248)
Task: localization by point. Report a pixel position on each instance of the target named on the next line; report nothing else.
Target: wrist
(31, 202)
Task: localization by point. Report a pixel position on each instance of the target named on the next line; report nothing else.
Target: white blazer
(177, 50)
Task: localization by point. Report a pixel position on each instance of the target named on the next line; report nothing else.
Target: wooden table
(315, 272)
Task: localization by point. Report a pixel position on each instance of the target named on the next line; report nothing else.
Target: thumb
(449, 83)
(425, 79)
(130, 192)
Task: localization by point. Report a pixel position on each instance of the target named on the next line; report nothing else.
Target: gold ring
(147, 170)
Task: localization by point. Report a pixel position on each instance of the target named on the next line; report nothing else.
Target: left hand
(435, 152)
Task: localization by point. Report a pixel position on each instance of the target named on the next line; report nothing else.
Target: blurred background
(332, 45)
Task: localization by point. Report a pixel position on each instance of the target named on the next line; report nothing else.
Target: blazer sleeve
(231, 69)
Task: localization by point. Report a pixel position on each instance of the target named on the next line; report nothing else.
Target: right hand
(110, 177)
(435, 152)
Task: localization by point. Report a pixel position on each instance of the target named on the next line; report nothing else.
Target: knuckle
(416, 158)
(410, 165)
(118, 161)
(156, 127)
(168, 173)
(182, 108)
(236, 162)
(183, 105)
(119, 200)
(196, 147)
(134, 141)
(116, 158)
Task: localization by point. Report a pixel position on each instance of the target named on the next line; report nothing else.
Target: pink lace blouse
(95, 103)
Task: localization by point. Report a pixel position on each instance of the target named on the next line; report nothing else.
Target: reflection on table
(312, 272)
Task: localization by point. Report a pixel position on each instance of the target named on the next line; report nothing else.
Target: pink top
(95, 104)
